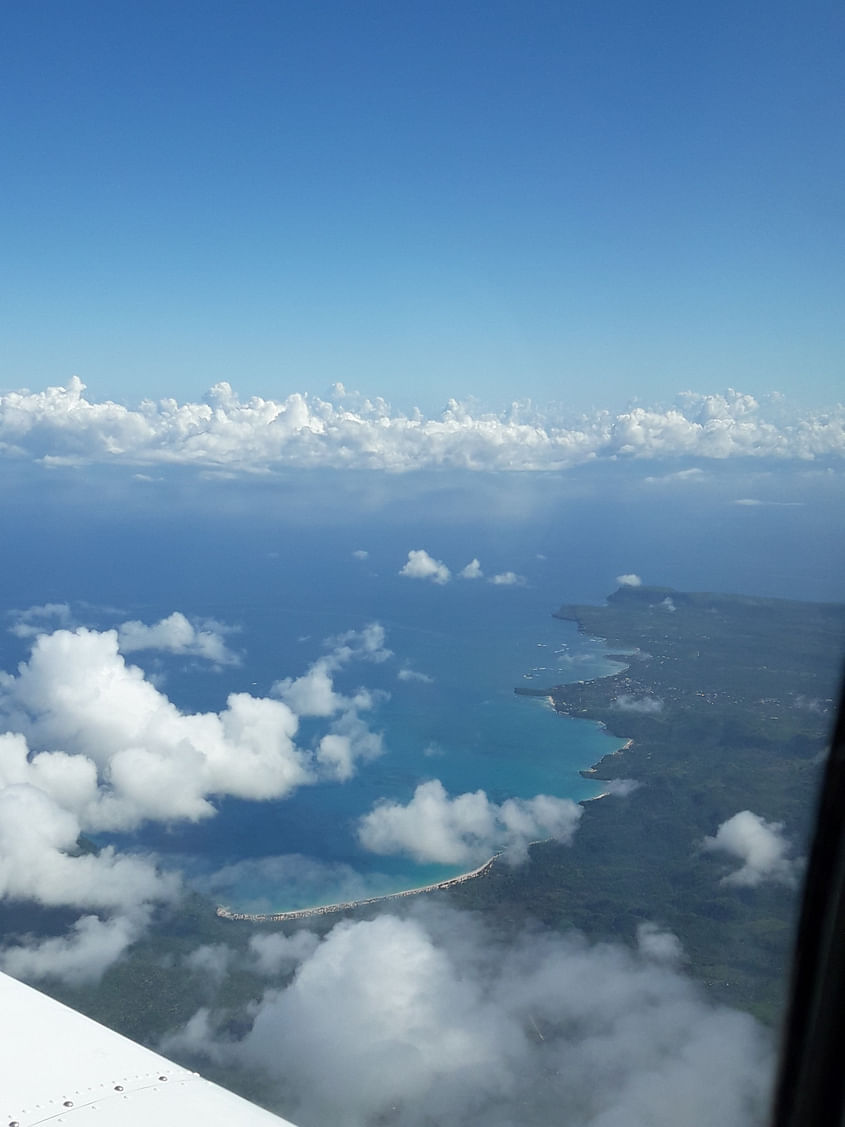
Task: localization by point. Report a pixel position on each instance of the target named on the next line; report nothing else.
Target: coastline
(350, 905)
(347, 905)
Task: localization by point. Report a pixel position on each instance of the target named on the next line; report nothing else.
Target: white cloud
(36, 620)
(428, 1020)
(752, 501)
(81, 956)
(760, 845)
(668, 604)
(367, 644)
(38, 847)
(421, 565)
(177, 635)
(40, 861)
(211, 961)
(127, 755)
(472, 570)
(694, 474)
(655, 943)
(312, 694)
(347, 742)
(627, 702)
(361, 554)
(466, 829)
(59, 426)
(131, 754)
(629, 580)
(348, 739)
(507, 579)
(621, 788)
(407, 674)
(276, 954)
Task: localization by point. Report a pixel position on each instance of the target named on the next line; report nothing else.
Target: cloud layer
(59, 425)
(430, 1019)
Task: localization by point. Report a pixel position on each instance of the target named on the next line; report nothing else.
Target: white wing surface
(59, 1067)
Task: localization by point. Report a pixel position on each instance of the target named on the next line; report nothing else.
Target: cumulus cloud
(361, 554)
(466, 829)
(421, 565)
(60, 426)
(348, 739)
(35, 620)
(79, 957)
(314, 693)
(408, 674)
(507, 579)
(427, 1019)
(647, 706)
(92, 745)
(472, 570)
(760, 845)
(629, 580)
(40, 861)
(348, 742)
(128, 753)
(176, 634)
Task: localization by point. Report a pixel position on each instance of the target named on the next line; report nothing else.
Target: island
(721, 704)
(725, 703)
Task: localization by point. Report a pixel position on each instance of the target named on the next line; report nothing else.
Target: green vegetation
(741, 694)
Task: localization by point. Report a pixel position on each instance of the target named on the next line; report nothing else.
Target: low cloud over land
(431, 1019)
(760, 845)
(627, 702)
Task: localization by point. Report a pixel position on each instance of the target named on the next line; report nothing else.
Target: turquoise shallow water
(464, 726)
(276, 561)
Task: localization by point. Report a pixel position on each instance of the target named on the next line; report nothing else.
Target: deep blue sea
(275, 559)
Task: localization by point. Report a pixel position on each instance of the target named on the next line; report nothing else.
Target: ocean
(291, 563)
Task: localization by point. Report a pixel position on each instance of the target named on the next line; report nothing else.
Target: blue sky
(576, 202)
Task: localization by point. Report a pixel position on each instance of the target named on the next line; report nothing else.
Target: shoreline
(222, 912)
(347, 905)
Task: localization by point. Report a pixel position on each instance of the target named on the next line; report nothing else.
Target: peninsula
(351, 905)
(726, 703)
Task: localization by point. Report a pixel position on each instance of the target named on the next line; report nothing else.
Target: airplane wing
(59, 1067)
